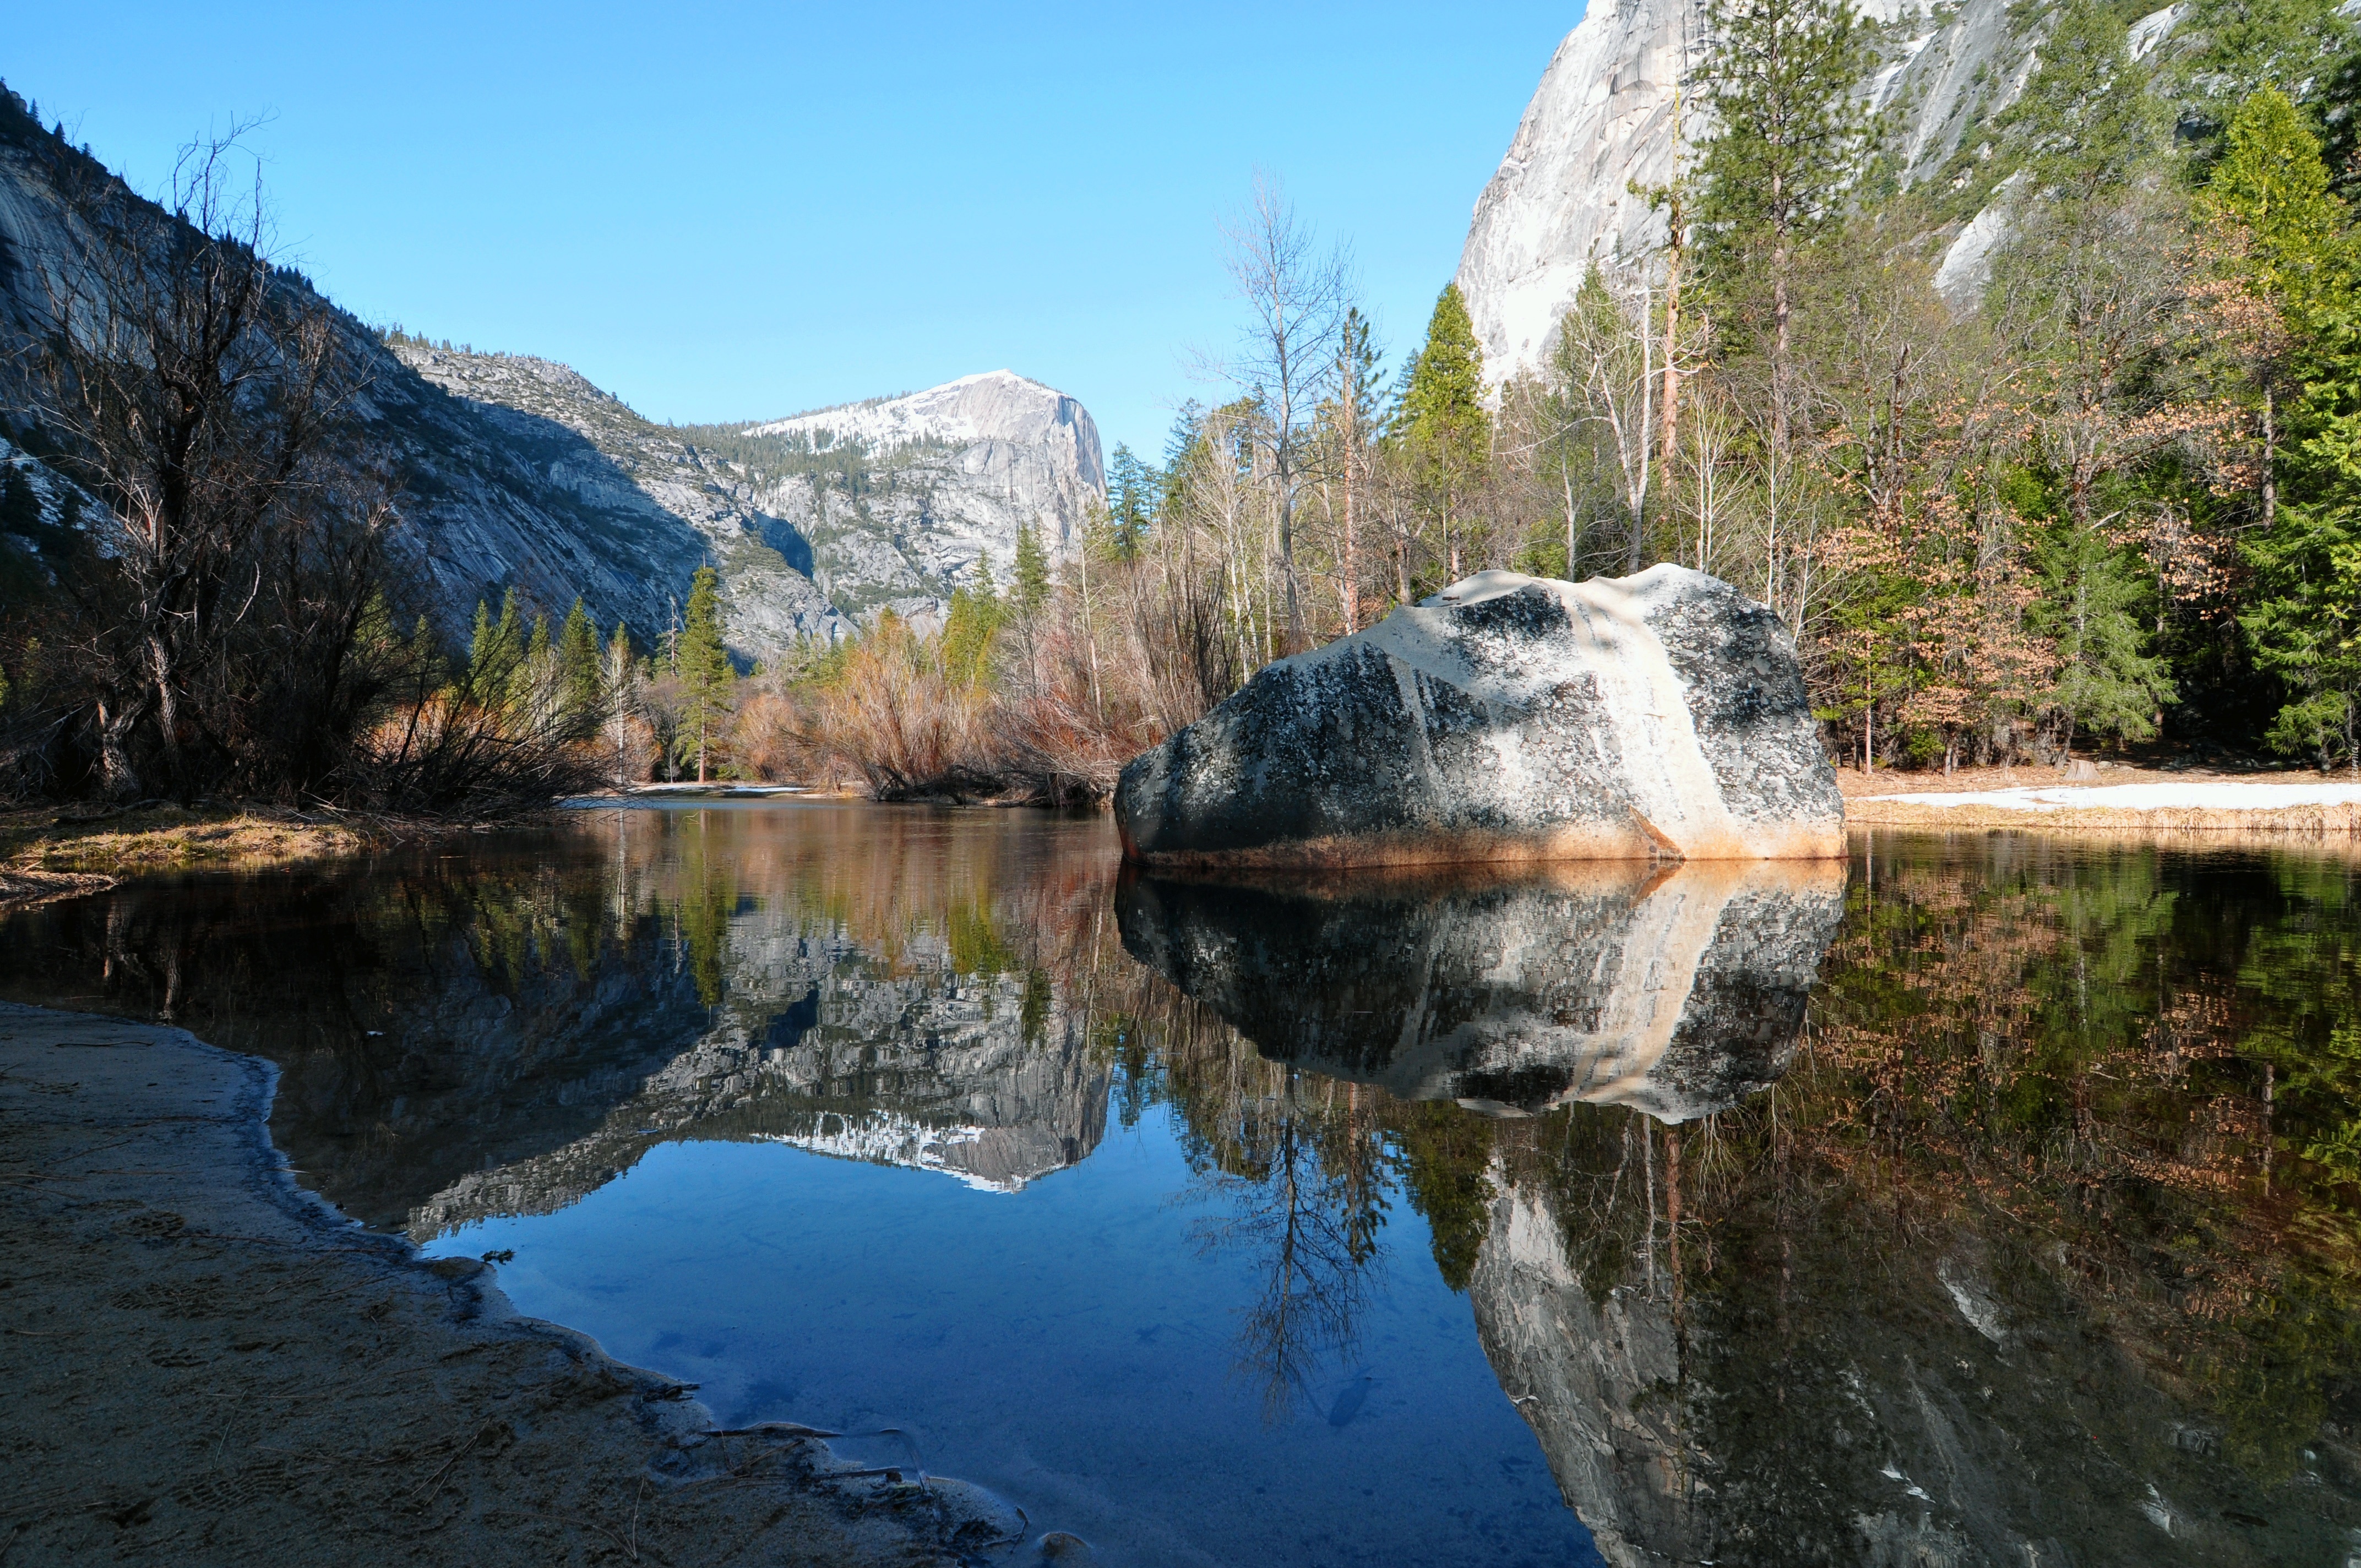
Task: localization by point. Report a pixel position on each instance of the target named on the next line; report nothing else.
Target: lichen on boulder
(1661, 716)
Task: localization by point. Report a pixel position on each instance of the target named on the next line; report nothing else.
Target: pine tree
(1353, 421)
(1790, 138)
(974, 617)
(2108, 682)
(2270, 190)
(2273, 184)
(706, 676)
(2087, 126)
(1131, 501)
(1031, 589)
(1442, 422)
(496, 652)
(579, 682)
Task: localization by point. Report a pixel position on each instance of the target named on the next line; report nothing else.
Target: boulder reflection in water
(1675, 991)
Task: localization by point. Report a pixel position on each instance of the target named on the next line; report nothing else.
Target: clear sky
(723, 212)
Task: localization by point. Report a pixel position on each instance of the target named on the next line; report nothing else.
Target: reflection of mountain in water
(1673, 990)
(985, 1078)
(503, 1034)
(1948, 1409)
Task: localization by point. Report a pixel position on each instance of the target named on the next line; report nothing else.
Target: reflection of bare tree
(1301, 1173)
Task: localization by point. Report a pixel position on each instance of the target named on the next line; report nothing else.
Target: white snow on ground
(2146, 797)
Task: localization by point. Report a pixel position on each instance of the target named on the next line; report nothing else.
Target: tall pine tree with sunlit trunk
(1789, 137)
(1442, 421)
(708, 679)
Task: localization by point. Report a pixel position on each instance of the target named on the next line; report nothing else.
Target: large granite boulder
(1656, 717)
(1675, 991)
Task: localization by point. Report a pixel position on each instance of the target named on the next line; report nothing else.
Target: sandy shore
(207, 1366)
(2109, 802)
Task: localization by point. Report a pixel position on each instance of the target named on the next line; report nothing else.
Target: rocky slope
(520, 474)
(637, 488)
(824, 1049)
(943, 479)
(1604, 118)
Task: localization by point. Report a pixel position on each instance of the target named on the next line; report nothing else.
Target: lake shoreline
(55, 852)
(209, 1362)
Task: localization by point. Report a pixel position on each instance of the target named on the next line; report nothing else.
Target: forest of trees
(2106, 491)
(2109, 493)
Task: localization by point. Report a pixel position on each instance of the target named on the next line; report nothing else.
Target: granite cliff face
(520, 474)
(1508, 719)
(641, 498)
(890, 1071)
(1678, 993)
(964, 466)
(1604, 117)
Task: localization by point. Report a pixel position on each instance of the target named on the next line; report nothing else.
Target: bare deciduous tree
(1295, 293)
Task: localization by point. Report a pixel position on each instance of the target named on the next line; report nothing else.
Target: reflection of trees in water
(1301, 1172)
(2054, 1204)
(1300, 1192)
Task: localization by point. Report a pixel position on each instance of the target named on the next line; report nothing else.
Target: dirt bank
(207, 1366)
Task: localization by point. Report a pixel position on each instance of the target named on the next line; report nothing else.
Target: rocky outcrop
(518, 473)
(1677, 994)
(1604, 117)
(638, 488)
(1509, 718)
(950, 476)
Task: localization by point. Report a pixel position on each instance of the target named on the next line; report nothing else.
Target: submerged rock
(1677, 992)
(1659, 716)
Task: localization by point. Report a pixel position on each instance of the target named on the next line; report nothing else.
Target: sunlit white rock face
(960, 468)
(635, 486)
(1509, 718)
(1603, 119)
(1676, 993)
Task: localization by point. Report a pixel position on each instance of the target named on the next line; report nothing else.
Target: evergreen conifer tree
(707, 678)
(973, 619)
(2271, 182)
(2087, 126)
(1442, 421)
(496, 652)
(579, 681)
(1131, 501)
(1789, 139)
(1031, 589)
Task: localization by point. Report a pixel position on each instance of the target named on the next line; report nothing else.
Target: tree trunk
(1668, 416)
(2271, 461)
(1352, 563)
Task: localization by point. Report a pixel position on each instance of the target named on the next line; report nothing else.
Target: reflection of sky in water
(1071, 1345)
(2031, 1239)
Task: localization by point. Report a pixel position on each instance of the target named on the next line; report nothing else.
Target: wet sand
(205, 1364)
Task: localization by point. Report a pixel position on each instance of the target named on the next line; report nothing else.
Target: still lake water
(1988, 1200)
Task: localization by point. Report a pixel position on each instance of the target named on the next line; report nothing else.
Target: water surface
(1992, 1199)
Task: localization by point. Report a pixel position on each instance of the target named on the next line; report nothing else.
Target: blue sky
(732, 211)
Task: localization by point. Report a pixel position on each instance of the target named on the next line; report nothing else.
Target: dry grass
(46, 853)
